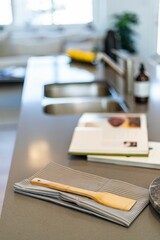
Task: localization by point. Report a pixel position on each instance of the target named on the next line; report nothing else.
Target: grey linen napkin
(65, 175)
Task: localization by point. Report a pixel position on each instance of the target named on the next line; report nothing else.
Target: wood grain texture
(104, 198)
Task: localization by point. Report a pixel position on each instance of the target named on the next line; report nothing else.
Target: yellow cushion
(80, 55)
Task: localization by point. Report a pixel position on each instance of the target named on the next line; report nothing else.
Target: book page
(111, 134)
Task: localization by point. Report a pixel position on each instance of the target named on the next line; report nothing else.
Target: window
(49, 12)
(5, 12)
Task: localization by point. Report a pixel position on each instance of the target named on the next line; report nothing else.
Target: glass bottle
(141, 86)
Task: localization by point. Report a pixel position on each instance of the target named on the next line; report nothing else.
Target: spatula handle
(61, 187)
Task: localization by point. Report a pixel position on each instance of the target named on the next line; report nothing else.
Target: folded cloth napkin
(65, 175)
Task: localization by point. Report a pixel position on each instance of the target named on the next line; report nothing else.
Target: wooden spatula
(105, 198)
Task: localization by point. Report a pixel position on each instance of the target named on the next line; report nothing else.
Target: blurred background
(48, 27)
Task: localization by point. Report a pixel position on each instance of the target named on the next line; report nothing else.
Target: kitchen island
(42, 138)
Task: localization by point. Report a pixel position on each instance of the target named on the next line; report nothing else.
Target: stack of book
(117, 138)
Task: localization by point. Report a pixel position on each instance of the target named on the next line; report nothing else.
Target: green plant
(123, 25)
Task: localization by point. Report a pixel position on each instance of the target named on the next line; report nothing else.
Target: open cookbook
(117, 134)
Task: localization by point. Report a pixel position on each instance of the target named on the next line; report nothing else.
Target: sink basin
(82, 105)
(87, 89)
(79, 97)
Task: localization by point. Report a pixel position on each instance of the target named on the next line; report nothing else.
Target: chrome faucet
(126, 73)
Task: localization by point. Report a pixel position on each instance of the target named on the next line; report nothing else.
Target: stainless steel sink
(81, 105)
(80, 97)
(82, 89)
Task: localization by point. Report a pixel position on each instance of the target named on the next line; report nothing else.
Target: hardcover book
(151, 161)
(123, 134)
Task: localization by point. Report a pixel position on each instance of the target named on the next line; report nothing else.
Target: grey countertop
(42, 138)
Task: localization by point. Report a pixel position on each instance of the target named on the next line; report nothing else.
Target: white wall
(147, 11)
(100, 14)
